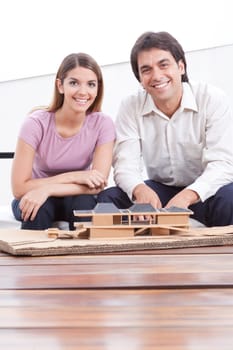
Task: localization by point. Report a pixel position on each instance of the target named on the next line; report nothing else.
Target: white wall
(57, 30)
(18, 97)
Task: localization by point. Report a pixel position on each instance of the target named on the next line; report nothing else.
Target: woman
(64, 152)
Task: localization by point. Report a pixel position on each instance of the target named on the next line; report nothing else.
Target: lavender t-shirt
(56, 154)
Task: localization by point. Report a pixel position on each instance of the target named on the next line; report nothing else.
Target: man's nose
(156, 73)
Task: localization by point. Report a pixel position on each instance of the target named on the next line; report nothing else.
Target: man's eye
(145, 70)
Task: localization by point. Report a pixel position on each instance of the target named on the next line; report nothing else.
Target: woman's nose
(82, 89)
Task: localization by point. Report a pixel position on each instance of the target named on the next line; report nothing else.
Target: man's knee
(109, 194)
(225, 193)
(114, 195)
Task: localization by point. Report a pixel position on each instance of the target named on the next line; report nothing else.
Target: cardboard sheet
(37, 243)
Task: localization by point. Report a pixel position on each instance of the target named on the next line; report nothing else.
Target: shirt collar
(188, 101)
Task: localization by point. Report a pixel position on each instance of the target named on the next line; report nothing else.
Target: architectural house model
(107, 221)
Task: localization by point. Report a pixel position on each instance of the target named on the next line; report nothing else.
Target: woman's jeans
(56, 209)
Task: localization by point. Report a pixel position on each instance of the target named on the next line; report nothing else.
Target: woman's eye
(92, 84)
(73, 83)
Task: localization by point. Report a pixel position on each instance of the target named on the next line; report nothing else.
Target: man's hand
(183, 199)
(144, 194)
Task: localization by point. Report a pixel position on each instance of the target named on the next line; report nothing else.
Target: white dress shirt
(193, 148)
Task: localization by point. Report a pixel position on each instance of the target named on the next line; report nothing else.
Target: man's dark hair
(160, 40)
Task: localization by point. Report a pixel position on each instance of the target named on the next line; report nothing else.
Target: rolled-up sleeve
(217, 156)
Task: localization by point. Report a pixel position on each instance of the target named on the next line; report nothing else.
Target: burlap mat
(37, 243)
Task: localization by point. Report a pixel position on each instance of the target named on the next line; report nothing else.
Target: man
(182, 131)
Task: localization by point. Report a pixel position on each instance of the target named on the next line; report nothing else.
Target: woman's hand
(31, 202)
(91, 178)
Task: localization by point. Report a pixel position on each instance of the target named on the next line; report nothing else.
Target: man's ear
(181, 67)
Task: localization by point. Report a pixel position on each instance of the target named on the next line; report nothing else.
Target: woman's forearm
(62, 190)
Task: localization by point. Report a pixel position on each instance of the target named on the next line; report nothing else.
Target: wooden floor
(178, 299)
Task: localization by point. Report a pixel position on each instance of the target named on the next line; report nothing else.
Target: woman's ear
(59, 86)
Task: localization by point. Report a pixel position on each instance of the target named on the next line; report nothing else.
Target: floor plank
(119, 272)
(115, 338)
(141, 308)
(110, 302)
(117, 319)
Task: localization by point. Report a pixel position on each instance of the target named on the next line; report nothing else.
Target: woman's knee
(44, 217)
(16, 210)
